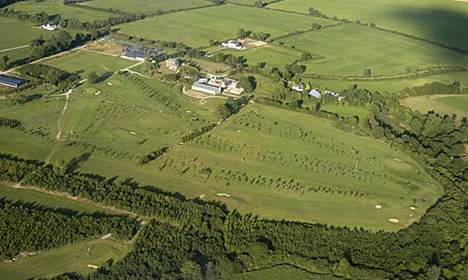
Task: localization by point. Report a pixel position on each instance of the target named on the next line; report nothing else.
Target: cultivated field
(83, 62)
(273, 55)
(439, 21)
(383, 52)
(442, 104)
(147, 6)
(65, 259)
(196, 28)
(281, 164)
(55, 8)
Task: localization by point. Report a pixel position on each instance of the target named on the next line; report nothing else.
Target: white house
(50, 27)
(214, 90)
(232, 44)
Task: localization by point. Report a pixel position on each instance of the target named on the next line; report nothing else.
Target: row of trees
(50, 75)
(6, 122)
(29, 228)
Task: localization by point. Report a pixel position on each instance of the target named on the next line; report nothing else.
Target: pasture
(442, 104)
(273, 55)
(147, 6)
(384, 53)
(281, 164)
(197, 27)
(439, 21)
(50, 201)
(84, 61)
(65, 259)
(57, 8)
(345, 111)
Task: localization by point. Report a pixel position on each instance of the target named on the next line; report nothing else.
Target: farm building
(227, 84)
(232, 44)
(11, 81)
(134, 55)
(206, 88)
(315, 93)
(173, 64)
(298, 87)
(50, 27)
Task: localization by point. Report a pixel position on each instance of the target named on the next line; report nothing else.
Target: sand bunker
(223, 195)
(378, 207)
(394, 221)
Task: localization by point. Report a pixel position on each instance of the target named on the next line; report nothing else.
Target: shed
(206, 88)
(11, 81)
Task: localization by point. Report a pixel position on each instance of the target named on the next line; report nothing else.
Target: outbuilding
(11, 81)
(206, 88)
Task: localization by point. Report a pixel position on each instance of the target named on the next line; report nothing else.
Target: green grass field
(51, 201)
(147, 6)
(248, 2)
(384, 53)
(345, 111)
(437, 20)
(197, 27)
(66, 259)
(84, 61)
(281, 164)
(442, 104)
(54, 8)
(273, 55)
(390, 86)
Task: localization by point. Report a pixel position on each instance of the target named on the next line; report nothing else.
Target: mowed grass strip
(351, 48)
(65, 259)
(437, 20)
(282, 164)
(147, 6)
(442, 104)
(273, 55)
(56, 8)
(49, 201)
(197, 27)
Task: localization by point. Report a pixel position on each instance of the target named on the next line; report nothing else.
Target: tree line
(29, 228)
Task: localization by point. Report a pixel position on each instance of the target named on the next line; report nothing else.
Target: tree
(93, 77)
(314, 12)
(241, 33)
(259, 4)
(4, 63)
(367, 72)
(247, 83)
(316, 26)
(223, 111)
(306, 56)
(298, 69)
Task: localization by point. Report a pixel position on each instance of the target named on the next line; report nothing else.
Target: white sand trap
(397, 159)
(97, 93)
(223, 195)
(109, 83)
(92, 266)
(107, 236)
(394, 221)
(378, 207)
(202, 196)
(132, 133)
(412, 208)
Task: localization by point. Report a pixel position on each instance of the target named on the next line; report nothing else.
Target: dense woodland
(27, 228)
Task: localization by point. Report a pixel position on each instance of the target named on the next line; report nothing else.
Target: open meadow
(146, 6)
(273, 55)
(442, 104)
(383, 52)
(436, 20)
(197, 27)
(57, 8)
(84, 61)
(281, 164)
(74, 257)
